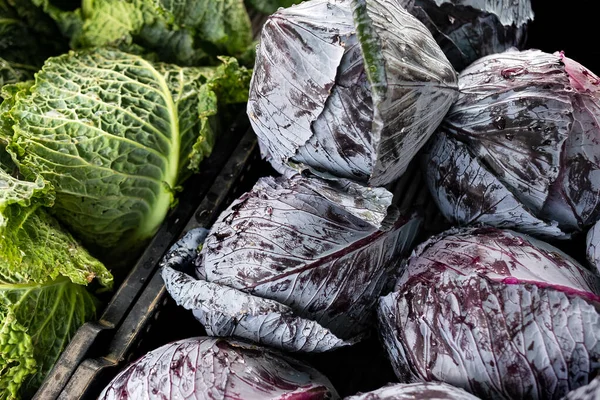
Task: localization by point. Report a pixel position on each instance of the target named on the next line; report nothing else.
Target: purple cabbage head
(470, 29)
(214, 368)
(296, 264)
(349, 88)
(520, 149)
(413, 391)
(495, 312)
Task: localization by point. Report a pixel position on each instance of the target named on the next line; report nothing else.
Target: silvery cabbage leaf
(296, 264)
(470, 29)
(215, 368)
(43, 271)
(519, 149)
(412, 391)
(495, 312)
(182, 32)
(115, 135)
(347, 88)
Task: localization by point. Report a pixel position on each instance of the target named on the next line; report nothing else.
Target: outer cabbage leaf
(470, 29)
(497, 313)
(115, 135)
(42, 302)
(493, 339)
(425, 390)
(467, 193)
(529, 120)
(347, 88)
(224, 311)
(217, 368)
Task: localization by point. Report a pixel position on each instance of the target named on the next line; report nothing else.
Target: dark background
(572, 26)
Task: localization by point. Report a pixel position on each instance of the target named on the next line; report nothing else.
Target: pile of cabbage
(344, 97)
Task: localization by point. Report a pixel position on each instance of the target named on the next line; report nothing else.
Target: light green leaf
(109, 22)
(186, 32)
(17, 361)
(42, 273)
(40, 321)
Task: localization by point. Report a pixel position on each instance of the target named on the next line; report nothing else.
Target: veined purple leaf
(300, 243)
(466, 192)
(214, 368)
(502, 256)
(470, 29)
(495, 340)
(413, 391)
(530, 120)
(593, 247)
(224, 311)
(495, 312)
(347, 88)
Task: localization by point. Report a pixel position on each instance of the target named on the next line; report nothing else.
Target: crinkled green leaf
(110, 21)
(184, 32)
(16, 354)
(115, 135)
(46, 317)
(42, 270)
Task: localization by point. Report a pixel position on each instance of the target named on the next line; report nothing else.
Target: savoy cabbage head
(115, 135)
(43, 271)
(183, 32)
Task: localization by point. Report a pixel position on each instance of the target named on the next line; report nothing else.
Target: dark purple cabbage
(520, 149)
(349, 88)
(593, 246)
(591, 391)
(214, 368)
(297, 263)
(495, 312)
(414, 391)
(470, 29)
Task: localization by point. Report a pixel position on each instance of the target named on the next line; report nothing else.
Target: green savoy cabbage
(115, 135)
(185, 32)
